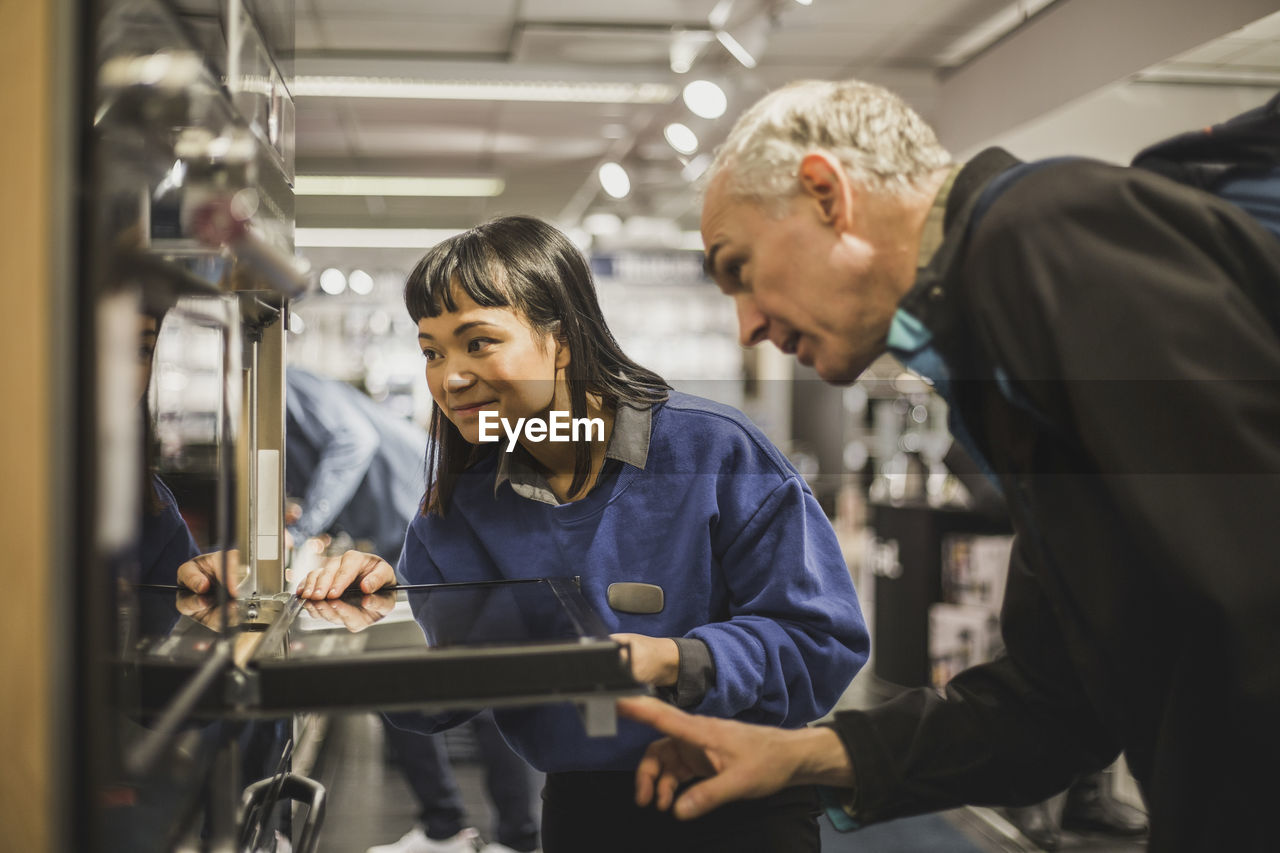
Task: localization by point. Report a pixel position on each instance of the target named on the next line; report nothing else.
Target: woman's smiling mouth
(471, 408)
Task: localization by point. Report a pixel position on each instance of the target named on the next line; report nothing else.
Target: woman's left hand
(654, 660)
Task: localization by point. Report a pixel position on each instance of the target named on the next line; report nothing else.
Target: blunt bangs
(464, 263)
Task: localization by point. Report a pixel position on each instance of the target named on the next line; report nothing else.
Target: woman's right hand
(332, 580)
(200, 573)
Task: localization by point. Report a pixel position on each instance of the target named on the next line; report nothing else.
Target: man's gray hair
(881, 142)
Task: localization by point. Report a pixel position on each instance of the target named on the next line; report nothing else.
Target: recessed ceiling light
(360, 282)
(615, 180)
(705, 99)
(389, 185)
(332, 281)
(681, 138)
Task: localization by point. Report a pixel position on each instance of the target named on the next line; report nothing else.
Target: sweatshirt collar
(629, 444)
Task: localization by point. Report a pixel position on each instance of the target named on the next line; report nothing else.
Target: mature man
(1106, 339)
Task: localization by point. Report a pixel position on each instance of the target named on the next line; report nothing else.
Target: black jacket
(1137, 442)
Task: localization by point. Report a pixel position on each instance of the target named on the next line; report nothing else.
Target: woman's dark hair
(523, 263)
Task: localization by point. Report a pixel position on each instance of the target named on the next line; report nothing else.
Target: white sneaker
(416, 841)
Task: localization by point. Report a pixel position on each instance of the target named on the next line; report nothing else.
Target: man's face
(812, 288)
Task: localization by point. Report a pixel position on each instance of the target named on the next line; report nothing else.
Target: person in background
(1105, 339)
(357, 468)
(696, 541)
(164, 540)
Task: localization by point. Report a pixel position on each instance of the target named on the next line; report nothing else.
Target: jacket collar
(930, 299)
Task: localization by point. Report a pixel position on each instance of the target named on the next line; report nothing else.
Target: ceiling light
(989, 31)
(360, 282)
(602, 224)
(681, 138)
(739, 52)
(695, 167)
(685, 47)
(397, 186)
(372, 238)
(805, 2)
(483, 90)
(1173, 73)
(691, 240)
(579, 238)
(295, 323)
(720, 14)
(705, 99)
(615, 180)
(332, 281)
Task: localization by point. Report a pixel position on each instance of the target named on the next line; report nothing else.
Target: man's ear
(823, 180)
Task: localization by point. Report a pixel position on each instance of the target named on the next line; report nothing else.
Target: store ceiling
(546, 154)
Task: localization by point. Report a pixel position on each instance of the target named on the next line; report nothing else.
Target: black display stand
(903, 593)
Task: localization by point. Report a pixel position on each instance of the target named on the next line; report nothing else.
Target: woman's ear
(562, 352)
(824, 181)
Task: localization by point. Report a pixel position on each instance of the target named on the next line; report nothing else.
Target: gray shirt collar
(628, 444)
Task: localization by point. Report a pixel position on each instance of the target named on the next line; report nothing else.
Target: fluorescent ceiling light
(371, 238)
(552, 91)
(396, 186)
(1174, 73)
(602, 224)
(990, 31)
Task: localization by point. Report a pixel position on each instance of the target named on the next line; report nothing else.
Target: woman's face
(491, 359)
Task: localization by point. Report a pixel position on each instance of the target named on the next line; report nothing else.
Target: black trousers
(509, 780)
(595, 812)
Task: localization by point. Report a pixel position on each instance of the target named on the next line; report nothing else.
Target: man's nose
(753, 325)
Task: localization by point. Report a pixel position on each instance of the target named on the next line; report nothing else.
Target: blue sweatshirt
(164, 541)
(715, 515)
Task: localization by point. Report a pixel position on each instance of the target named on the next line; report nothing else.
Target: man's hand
(199, 573)
(332, 580)
(735, 760)
(353, 617)
(654, 660)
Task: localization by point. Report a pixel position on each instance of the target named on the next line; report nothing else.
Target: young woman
(758, 619)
